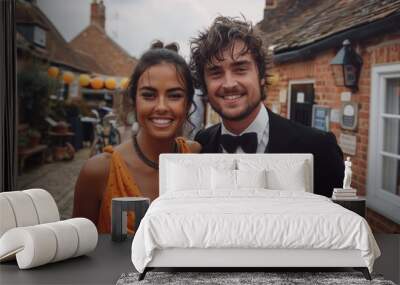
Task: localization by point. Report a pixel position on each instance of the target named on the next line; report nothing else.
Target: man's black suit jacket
(286, 136)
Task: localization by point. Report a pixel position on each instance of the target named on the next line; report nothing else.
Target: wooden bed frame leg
(364, 271)
(143, 274)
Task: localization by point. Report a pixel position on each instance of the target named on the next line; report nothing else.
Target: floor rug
(243, 278)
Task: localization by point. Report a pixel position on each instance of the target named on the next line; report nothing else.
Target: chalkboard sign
(320, 117)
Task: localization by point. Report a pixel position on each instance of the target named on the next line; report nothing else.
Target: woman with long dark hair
(162, 92)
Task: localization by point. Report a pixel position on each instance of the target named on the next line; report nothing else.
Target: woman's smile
(161, 122)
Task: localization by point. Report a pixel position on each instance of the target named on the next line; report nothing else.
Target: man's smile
(232, 97)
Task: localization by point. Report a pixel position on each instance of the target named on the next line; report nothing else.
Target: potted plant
(34, 137)
(34, 89)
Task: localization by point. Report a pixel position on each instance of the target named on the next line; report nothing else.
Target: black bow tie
(248, 142)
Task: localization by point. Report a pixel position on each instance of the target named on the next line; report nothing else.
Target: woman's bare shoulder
(194, 146)
(93, 176)
(97, 166)
(89, 187)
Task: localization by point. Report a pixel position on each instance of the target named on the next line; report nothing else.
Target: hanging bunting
(111, 83)
(84, 80)
(97, 83)
(124, 83)
(53, 71)
(68, 77)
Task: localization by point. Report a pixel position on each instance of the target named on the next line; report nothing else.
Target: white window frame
(292, 82)
(381, 201)
(39, 36)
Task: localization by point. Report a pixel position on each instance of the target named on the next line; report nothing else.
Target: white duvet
(253, 218)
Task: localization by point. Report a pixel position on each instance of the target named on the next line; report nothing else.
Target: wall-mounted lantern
(346, 66)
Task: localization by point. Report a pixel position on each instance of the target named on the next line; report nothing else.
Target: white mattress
(253, 218)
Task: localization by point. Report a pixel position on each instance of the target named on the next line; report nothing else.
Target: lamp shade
(110, 83)
(84, 80)
(97, 83)
(68, 77)
(53, 71)
(124, 83)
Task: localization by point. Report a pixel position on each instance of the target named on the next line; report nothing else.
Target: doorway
(301, 101)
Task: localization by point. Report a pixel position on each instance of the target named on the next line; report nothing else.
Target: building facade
(94, 41)
(302, 38)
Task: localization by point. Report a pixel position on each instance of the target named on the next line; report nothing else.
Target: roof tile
(297, 23)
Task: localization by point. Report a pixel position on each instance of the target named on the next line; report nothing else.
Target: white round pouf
(33, 246)
(87, 234)
(45, 205)
(23, 208)
(7, 217)
(67, 240)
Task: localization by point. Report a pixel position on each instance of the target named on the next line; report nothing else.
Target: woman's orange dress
(121, 184)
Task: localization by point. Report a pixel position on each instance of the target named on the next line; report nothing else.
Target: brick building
(302, 37)
(39, 42)
(38, 37)
(94, 41)
(110, 56)
(39, 46)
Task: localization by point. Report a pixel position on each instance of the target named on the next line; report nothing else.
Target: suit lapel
(270, 131)
(213, 145)
(278, 135)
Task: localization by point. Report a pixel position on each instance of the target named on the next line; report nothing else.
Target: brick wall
(385, 49)
(380, 224)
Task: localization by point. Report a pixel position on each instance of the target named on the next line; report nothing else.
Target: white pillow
(201, 160)
(281, 174)
(227, 179)
(182, 177)
(251, 178)
(223, 179)
(291, 179)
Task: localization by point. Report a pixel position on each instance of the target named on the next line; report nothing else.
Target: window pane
(391, 135)
(391, 175)
(392, 96)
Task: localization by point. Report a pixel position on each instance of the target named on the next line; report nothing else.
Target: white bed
(201, 219)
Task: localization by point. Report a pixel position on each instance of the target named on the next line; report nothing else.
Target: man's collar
(257, 126)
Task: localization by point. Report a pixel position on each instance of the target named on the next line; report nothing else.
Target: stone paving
(58, 178)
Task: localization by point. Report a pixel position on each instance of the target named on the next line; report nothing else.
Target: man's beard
(249, 109)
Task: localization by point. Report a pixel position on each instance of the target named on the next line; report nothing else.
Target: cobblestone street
(58, 178)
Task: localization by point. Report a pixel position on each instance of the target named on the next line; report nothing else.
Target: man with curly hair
(229, 66)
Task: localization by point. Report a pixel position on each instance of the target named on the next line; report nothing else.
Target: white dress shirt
(260, 126)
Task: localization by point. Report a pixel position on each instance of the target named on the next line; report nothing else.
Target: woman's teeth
(161, 121)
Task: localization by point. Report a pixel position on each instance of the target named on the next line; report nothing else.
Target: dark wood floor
(389, 262)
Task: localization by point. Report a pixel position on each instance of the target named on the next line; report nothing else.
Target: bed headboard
(213, 159)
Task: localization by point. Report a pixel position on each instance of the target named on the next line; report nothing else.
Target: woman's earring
(135, 128)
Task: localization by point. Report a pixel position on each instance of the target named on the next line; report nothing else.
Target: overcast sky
(134, 24)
